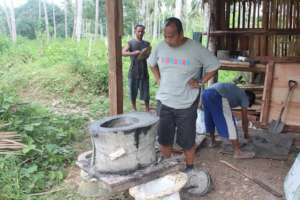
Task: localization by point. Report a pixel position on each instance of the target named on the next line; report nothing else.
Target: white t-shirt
(177, 65)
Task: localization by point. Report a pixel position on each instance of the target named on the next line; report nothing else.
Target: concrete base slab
(115, 183)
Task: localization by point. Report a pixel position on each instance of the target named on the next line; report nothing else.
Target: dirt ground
(227, 183)
(230, 185)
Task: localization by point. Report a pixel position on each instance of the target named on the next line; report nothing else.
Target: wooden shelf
(254, 32)
(241, 66)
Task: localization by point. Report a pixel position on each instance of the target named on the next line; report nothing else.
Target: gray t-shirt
(177, 65)
(235, 95)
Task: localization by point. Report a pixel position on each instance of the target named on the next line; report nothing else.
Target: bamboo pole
(255, 180)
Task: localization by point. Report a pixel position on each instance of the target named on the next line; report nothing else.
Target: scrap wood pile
(10, 142)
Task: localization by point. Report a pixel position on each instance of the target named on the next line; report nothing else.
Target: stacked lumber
(10, 142)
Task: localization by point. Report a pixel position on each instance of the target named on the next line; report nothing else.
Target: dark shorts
(181, 121)
(141, 85)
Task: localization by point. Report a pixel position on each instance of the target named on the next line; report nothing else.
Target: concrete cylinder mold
(123, 143)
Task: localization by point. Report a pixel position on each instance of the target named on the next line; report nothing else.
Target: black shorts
(141, 85)
(182, 121)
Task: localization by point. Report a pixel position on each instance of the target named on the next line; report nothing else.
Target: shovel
(276, 126)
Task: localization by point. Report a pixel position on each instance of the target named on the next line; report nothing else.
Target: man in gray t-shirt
(175, 64)
(217, 101)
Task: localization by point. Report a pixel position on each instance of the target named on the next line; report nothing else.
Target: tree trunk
(156, 19)
(96, 19)
(46, 20)
(40, 10)
(188, 9)
(6, 10)
(147, 17)
(78, 20)
(132, 30)
(178, 8)
(74, 20)
(66, 18)
(13, 22)
(101, 29)
(142, 11)
(54, 19)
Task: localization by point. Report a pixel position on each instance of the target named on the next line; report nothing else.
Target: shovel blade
(276, 127)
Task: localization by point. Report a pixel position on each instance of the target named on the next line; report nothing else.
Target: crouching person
(218, 100)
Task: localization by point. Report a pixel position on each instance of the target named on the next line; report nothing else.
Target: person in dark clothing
(138, 77)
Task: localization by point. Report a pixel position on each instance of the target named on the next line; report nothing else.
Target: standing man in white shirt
(175, 64)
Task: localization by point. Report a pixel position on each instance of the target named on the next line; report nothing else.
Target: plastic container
(292, 181)
(164, 188)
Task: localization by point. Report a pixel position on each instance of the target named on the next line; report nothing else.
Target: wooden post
(267, 93)
(114, 32)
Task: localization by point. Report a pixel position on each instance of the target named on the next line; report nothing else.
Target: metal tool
(276, 126)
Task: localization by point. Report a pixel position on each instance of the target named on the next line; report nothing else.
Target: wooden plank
(298, 14)
(282, 74)
(279, 16)
(254, 14)
(227, 20)
(258, 14)
(249, 14)
(221, 15)
(266, 59)
(265, 24)
(221, 24)
(120, 183)
(254, 31)
(289, 128)
(244, 14)
(241, 66)
(115, 56)
(257, 45)
(293, 14)
(267, 93)
(233, 15)
(239, 15)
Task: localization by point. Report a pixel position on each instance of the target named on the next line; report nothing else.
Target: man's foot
(212, 144)
(243, 154)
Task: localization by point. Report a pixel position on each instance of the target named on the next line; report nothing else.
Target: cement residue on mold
(124, 142)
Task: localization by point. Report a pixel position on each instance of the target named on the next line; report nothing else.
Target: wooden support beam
(267, 93)
(114, 31)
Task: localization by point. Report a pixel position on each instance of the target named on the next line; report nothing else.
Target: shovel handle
(292, 84)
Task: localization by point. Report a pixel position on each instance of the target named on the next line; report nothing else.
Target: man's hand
(136, 52)
(193, 83)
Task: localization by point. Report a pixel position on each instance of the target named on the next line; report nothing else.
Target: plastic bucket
(164, 188)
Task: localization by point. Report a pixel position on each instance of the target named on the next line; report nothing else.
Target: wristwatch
(200, 84)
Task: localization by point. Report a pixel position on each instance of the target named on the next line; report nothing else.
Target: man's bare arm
(156, 73)
(194, 83)
(126, 52)
(245, 122)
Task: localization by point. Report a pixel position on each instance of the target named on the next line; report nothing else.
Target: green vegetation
(48, 138)
(33, 71)
(35, 74)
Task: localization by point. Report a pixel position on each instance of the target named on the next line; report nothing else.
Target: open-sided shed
(267, 30)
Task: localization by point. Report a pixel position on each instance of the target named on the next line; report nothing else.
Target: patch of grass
(48, 139)
(227, 76)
